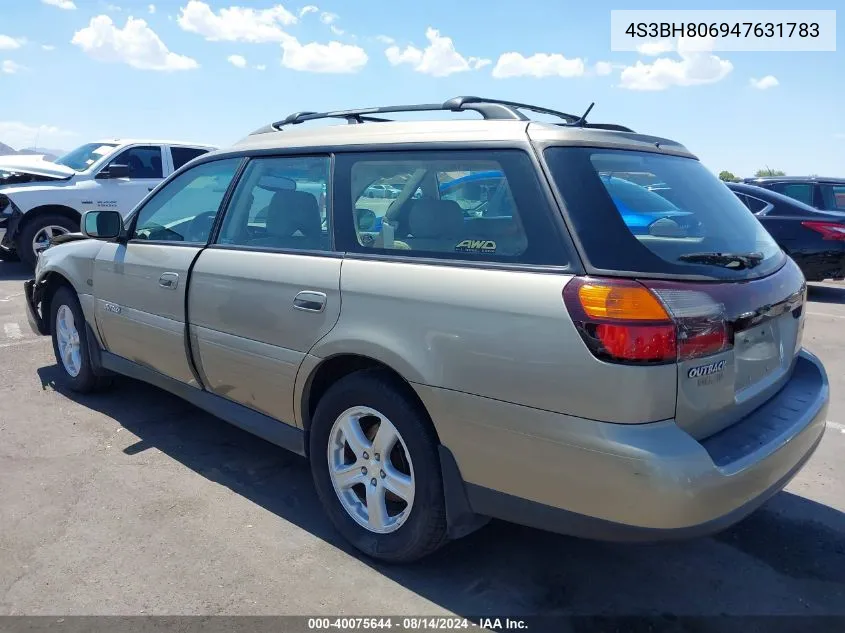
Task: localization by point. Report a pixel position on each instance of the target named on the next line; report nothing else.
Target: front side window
(834, 197)
(86, 155)
(280, 203)
(799, 191)
(484, 205)
(648, 213)
(143, 162)
(184, 209)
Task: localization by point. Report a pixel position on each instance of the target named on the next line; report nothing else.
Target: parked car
(485, 194)
(814, 239)
(381, 191)
(40, 199)
(825, 194)
(449, 369)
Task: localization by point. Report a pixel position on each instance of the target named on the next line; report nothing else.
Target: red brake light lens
(626, 321)
(829, 230)
(647, 343)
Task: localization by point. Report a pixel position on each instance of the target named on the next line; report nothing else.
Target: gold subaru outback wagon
(564, 324)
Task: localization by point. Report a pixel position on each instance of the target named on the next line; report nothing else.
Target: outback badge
(706, 370)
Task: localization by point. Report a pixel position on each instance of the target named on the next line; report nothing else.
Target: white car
(40, 199)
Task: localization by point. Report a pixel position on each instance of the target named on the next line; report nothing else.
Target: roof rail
(480, 103)
(491, 109)
(608, 126)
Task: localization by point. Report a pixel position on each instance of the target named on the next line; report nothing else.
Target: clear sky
(212, 71)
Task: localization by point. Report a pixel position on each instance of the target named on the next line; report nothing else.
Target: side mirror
(102, 225)
(116, 171)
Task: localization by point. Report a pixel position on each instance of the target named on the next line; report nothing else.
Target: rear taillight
(829, 230)
(627, 321)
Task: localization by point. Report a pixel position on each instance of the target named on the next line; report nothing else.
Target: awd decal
(111, 307)
(476, 246)
(707, 370)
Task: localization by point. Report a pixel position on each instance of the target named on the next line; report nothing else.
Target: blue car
(640, 207)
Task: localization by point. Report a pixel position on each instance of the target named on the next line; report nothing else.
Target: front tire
(70, 343)
(35, 235)
(376, 468)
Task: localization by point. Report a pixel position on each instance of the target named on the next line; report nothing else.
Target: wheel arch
(52, 281)
(47, 209)
(19, 233)
(329, 370)
(461, 520)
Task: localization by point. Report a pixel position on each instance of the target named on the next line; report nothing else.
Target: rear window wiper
(737, 261)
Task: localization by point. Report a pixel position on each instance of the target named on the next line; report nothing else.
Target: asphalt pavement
(134, 502)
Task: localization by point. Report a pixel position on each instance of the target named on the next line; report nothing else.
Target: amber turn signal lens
(620, 302)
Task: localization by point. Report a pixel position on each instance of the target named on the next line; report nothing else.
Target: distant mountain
(49, 154)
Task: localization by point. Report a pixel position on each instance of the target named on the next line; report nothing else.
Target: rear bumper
(634, 482)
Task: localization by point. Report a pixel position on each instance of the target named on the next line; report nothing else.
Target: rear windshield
(652, 214)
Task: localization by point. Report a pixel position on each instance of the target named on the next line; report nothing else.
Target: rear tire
(36, 228)
(358, 486)
(70, 343)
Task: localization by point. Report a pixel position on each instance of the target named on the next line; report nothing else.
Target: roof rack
(490, 109)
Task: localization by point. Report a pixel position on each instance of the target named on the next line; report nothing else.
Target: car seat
(435, 225)
(293, 221)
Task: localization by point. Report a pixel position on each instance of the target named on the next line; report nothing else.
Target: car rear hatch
(683, 274)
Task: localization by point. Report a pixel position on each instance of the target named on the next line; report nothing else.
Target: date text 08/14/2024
(410, 623)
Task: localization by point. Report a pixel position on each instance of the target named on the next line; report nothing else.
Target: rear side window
(280, 204)
(802, 192)
(646, 213)
(143, 162)
(483, 205)
(834, 197)
(182, 155)
(755, 205)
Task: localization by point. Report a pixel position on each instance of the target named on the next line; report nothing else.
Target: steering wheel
(200, 227)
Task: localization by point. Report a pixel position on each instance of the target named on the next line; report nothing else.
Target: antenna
(582, 122)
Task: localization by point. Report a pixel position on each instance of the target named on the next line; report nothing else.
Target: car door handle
(169, 280)
(310, 301)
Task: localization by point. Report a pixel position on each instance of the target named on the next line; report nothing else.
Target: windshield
(646, 214)
(84, 156)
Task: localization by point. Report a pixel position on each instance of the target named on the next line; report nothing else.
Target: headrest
(436, 218)
(292, 211)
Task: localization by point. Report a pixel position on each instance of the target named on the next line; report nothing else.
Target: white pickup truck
(40, 199)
